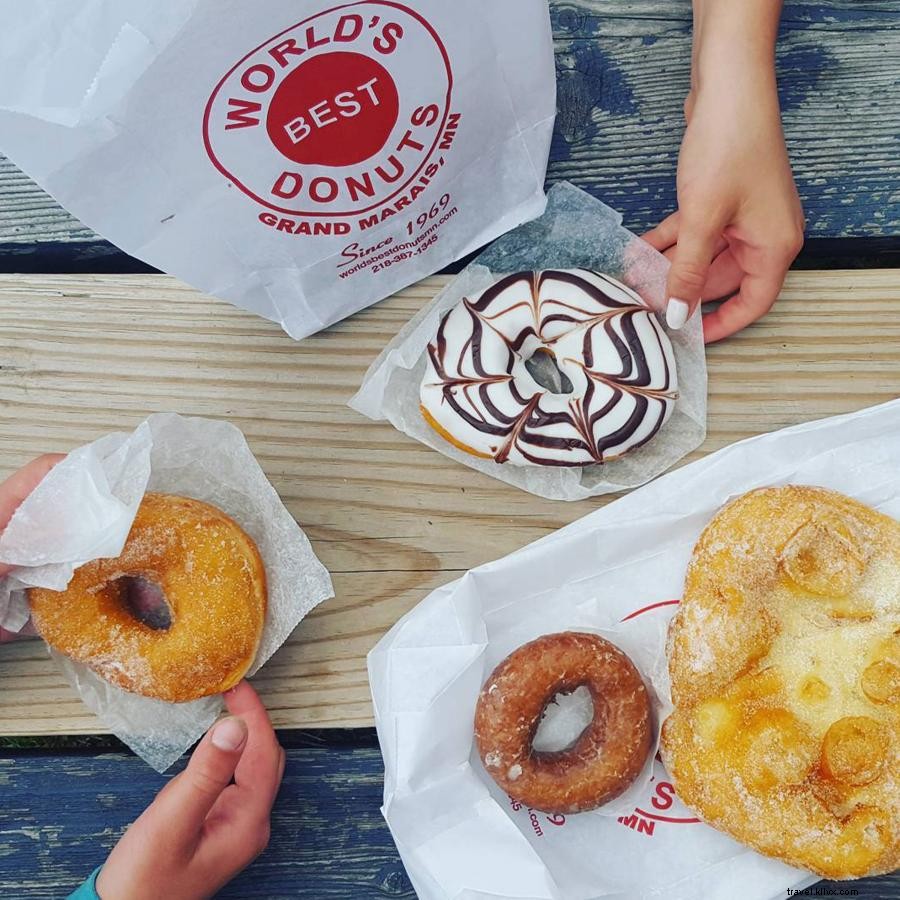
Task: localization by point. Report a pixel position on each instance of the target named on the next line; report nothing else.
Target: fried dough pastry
(785, 666)
(178, 615)
(608, 755)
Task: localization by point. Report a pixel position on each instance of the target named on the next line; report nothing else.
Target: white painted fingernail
(676, 313)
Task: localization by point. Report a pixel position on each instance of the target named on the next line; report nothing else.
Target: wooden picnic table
(85, 353)
(390, 518)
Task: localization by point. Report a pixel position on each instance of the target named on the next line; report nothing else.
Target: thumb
(18, 486)
(693, 256)
(8, 636)
(187, 799)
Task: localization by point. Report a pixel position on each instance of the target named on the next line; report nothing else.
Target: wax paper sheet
(617, 568)
(84, 509)
(576, 231)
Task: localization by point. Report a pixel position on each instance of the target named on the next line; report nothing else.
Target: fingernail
(229, 734)
(676, 313)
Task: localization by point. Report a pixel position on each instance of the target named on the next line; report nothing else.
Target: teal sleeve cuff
(88, 890)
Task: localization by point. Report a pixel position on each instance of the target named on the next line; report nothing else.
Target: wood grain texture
(622, 74)
(390, 518)
(61, 814)
(623, 77)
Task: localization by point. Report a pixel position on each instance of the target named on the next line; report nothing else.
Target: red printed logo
(659, 808)
(662, 807)
(345, 114)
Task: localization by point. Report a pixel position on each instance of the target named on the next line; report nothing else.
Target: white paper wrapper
(84, 509)
(576, 231)
(458, 835)
(242, 148)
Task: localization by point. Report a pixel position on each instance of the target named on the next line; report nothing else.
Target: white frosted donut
(478, 393)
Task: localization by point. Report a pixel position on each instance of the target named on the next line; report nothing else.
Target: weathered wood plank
(622, 69)
(390, 518)
(61, 814)
(621, 83)
(827, 13)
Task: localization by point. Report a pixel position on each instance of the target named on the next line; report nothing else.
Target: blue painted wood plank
(61, 813)
(622, 81)
(623, 71)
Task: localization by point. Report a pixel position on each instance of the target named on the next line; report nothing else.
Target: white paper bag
(619, 568)
(84, 509)
(298, 158)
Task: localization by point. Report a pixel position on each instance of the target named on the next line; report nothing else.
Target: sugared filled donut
(785, 670)
(608, 755)
(479, 394)
(177, 616)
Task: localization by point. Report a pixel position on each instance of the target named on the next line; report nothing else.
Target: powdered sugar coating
(785, 668)
(213, 580)
(608, 755)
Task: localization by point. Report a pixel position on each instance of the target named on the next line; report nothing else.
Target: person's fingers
(231, 805)
(663, 235)
(19, 485)
(664, 238)
(698, 239)
(245, 808)
(721, 247)
(757, 295)
(27, 631)
(182, 806)
(259, 769)
(242, 699)
(281, 765)
(725, 276)
(7, 637)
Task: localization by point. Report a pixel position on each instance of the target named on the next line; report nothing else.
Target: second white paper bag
(459, 835)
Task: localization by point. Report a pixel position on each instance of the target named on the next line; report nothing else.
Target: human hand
(202, 829)
(12, 492)
(739, 223)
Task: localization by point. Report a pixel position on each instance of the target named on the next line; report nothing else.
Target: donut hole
(544, 369)
(144, 601)
(563, 721)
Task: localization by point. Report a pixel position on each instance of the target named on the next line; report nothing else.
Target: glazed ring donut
(607, 756)
(177, 616)
(620, 381)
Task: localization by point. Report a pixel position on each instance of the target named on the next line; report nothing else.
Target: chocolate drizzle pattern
(478, 393)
